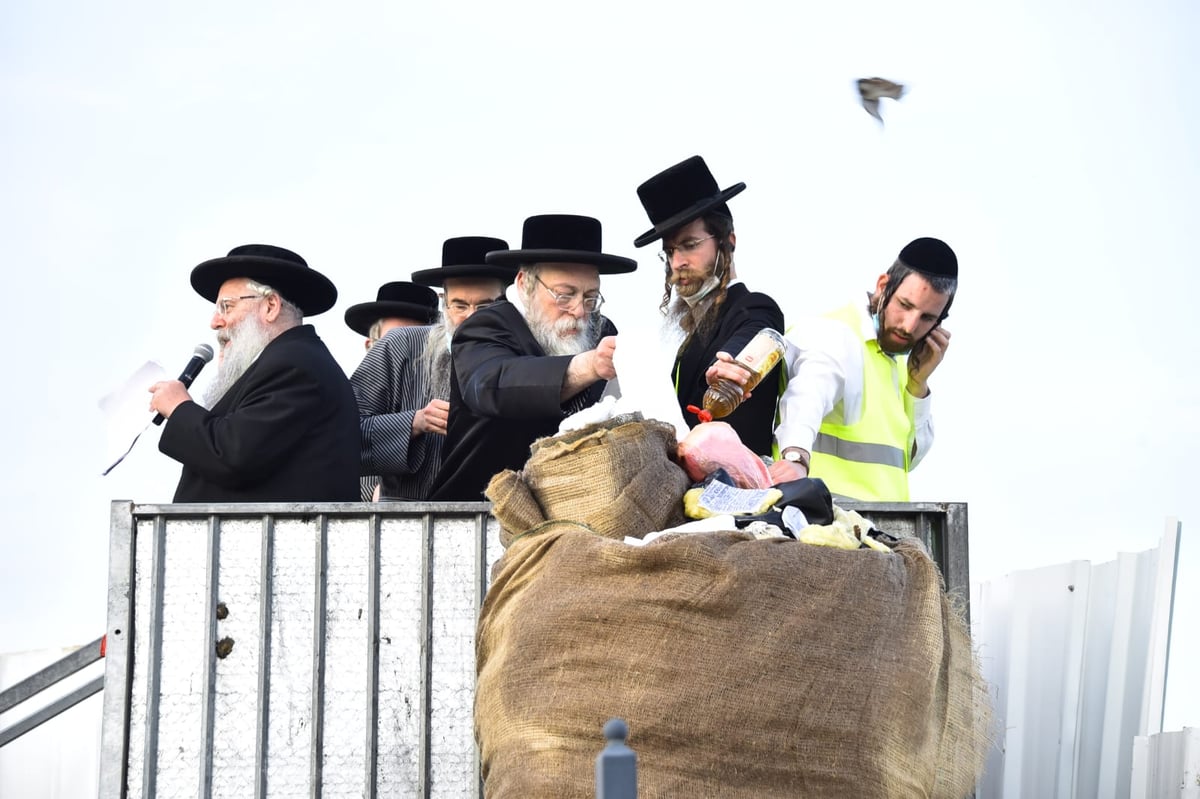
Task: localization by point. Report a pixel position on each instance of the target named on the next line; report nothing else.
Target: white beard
(246, 342)
(435, 359)
(550, 334)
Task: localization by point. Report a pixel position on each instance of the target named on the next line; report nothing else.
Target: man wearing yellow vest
(856, 409)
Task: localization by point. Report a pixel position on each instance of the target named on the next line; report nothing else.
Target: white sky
(1050, 143)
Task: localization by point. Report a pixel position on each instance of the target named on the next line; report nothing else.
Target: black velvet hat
(400, 300)
(562, 238)
(930, 257)
(281, 269)
(676, 196)
(463, 256)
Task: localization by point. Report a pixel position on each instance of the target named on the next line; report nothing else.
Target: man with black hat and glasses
(521, 367)
(703, 299)
(856, 412)
(403, 383)
(280, 425)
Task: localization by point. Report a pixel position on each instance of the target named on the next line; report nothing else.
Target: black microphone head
(204, 352)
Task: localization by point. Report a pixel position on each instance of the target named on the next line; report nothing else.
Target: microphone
(201, 355)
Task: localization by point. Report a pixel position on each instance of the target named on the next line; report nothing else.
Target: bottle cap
(702, 414)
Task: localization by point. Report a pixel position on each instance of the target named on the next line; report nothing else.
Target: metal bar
(263, 705)
(372, 743)
(481, 583)
(118, 660)
(208, 706)
(316, 763)
(154, 657)
(51, 710)
(425, 758)
(60, 669)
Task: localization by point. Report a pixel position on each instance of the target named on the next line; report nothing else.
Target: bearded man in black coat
(703, 301)
(282, 423)
(518, 368)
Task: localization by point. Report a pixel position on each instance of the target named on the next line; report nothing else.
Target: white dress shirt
(825, 381)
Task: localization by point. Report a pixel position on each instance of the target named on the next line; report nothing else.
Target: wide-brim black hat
(401, 300)
(564, 239)
(677, 195)
(930, 257)
(463, 256)
(281, 269)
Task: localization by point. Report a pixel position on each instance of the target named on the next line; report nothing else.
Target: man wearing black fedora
(280, 425)
(856, 412)
(703, 299)
(397, 304)
(521, 367)
(403, 383)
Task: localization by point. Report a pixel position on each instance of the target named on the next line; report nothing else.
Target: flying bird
(872, 89)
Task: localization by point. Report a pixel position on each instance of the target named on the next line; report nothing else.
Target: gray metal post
(616, 765)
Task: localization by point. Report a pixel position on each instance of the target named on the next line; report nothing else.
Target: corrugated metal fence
(319, 650)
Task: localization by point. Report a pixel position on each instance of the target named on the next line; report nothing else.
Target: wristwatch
(795, 455)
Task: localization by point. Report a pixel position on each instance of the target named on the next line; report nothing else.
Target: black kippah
(930, 257)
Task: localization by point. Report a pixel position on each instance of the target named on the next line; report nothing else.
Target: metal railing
(51, 675)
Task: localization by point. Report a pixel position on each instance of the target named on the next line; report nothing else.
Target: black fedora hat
(565, 239)
(930, 257)
(463, 256)
(399, 299)
(677, 195)
(281, 269)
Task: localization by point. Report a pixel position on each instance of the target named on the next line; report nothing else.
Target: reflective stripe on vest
(868, 460)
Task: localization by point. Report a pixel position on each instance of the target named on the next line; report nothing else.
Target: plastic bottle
(758, 358)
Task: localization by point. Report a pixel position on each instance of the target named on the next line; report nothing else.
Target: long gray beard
(246, 342)
(547, 333)
(435, 360)
(688, 319)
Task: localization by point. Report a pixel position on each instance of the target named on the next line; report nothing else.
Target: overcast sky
(1052, 144)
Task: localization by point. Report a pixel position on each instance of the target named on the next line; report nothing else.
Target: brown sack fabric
(745, 669)
(617, 477)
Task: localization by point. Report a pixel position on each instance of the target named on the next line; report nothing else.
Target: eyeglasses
(684, 247)
(225, 304)
(460, 307)
(565, 302)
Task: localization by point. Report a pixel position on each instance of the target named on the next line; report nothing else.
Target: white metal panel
(1166, 765)
(1075, 655)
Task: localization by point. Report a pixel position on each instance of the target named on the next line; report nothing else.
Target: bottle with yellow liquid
(758, 358)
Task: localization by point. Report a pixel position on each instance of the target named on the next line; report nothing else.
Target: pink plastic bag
(713, 445)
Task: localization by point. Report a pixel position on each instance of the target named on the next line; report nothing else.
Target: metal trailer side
(321, 649)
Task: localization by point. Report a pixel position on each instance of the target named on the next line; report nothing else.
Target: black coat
(743, 314)
(286, 431)
(504, 395)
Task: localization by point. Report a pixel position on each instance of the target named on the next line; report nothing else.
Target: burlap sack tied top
(617, 477)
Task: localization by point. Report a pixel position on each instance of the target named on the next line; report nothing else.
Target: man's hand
(166, 396)
(936, 344)
(588, 367)
(433, 418)
(603, 363)
(782, 471)
(725, 368)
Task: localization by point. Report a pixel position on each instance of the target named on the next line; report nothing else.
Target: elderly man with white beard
(282, 424)
(403, 382)
(520, 367)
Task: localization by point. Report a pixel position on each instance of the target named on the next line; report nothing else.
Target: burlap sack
(617, 477)
(745, 668)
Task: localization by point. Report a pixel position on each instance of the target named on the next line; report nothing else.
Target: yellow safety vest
(868, 460)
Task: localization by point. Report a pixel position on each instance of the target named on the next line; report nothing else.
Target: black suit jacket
(286, 431)
(504, 395)
(743, 314)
